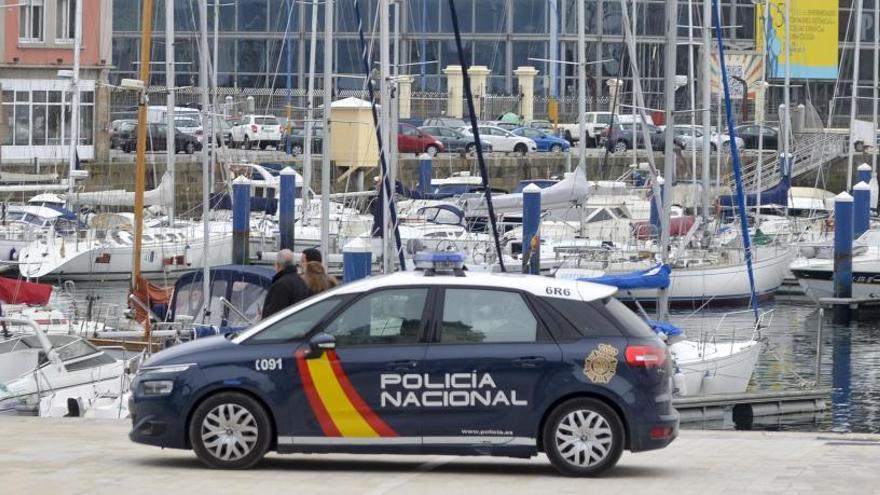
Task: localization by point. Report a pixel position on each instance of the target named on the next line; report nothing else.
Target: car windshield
(266, 121)
(185, 123)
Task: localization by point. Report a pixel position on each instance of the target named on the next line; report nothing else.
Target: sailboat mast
(668, 154)
(74, 104)
(692, 90)
(140, 166)
(759, 113)
(706, 84)
(854, 98)
(325, 119)
(170, 83)
(206, 161)
(310, 116)
(876, 81)
(385, 119)
(582, 88)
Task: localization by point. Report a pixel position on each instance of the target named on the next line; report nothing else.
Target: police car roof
(537, 285)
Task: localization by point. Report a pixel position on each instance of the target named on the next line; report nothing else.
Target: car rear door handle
(529, 362)
(403, 365)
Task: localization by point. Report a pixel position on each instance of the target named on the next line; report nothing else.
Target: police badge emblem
(601, 365)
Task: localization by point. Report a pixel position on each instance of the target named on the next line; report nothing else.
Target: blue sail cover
(664, 327)
(652, 278)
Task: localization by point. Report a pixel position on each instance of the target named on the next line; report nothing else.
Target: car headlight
(170, 368)
(157, 387)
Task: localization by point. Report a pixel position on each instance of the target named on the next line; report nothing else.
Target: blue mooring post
(655, 207)
(357, 260)
(531, 221)
(864, 174)
(861, 209)
(426, 172)
(286, 209)
(241, 212)
(843, 242)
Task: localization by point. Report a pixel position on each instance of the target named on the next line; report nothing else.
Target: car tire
(230, 430)
(432, 150)
(713, 147)
(297, 149)
(556, 148)
(620, 146)
(583, 437)
(470, 148)
(521, 149)
(189, 148)
(590, 142)
(567, 137)
(263, 145)
(246, 144)
(126, 148)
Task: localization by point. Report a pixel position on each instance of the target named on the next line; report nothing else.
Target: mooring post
(357, 260)
(865, 173)
(531, 238)
(843, 242)
(861, 208)
(426, 172)
(656, 205)
(286, 209)
(241, 212)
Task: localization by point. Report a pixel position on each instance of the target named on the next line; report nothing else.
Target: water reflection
(841, 380)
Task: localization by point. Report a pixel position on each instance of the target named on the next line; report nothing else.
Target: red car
(412, 140)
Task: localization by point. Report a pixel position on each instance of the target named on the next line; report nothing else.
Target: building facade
(36, 57)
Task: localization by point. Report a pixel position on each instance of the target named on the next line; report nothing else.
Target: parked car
(256, 130)
(595, 124)
(503, 140)
(297, 140)
(119, 130)
(545, 141)
(452, 122)
(411, 140)
(692, 138)
(750, 134)
(544, 125)
(455, 140)
(619, 138)
(156, 140)
(189, 126)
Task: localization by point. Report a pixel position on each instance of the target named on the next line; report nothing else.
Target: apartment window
(30, 20)
(65, 20)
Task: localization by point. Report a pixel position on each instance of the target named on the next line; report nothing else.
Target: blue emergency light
(439, 261)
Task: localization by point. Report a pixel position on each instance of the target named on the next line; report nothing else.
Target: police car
(435, 361)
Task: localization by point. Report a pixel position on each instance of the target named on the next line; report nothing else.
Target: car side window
(385, 317)
(486, 316)
(297, 325)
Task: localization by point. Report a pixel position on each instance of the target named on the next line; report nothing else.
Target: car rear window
(588, 320)
(627, 320)
(266, 121)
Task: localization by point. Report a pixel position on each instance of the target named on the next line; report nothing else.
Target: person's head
(308, 255)
(284, 259)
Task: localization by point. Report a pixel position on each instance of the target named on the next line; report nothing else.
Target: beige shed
(354, 137)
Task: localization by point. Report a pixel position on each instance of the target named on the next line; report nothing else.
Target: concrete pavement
(75, 456)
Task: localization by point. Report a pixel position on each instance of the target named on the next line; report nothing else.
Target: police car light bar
(439, 262)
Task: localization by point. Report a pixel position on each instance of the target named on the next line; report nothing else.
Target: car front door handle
(529, 362)
(402, 366)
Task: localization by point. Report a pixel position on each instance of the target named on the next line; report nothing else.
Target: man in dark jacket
(287, 286)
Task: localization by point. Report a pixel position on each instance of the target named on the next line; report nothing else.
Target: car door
(350, 392)
(489, 361)
(538, 138)
(407, 139)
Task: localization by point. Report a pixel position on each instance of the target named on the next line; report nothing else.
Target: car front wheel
(189, 148)
(556, 148)
(432, 150)
(521, 149)
(230, 430)
(583, 437)
(620, 146)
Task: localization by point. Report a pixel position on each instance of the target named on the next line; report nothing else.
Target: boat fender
(708, 385)
(679, 385)
(13, 255)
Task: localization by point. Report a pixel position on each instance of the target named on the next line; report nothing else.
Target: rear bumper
(655, 434)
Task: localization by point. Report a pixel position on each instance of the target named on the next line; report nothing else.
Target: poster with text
(814, 35)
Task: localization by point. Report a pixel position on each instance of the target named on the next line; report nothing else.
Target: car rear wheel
(521, 149)
(583, 437)
(620, 146)
(230, 430)
(246, 144)
(432, 150)
(556, 148)
(297, 149)
(189, 148)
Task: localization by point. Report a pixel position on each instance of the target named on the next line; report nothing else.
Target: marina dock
(73, 456)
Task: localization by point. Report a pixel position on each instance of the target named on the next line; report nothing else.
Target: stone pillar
(455, 91)
(760, 102)
(101, 137)
(478, 75)
(404, 95)
(614, 86)
(525, 76)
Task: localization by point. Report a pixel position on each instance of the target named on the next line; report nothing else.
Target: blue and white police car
(425, 362)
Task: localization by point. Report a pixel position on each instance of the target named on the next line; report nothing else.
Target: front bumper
(156, 422)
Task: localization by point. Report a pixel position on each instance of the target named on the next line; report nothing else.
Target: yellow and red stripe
(339, 409)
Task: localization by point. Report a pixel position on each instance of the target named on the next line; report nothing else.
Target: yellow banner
(814, 34)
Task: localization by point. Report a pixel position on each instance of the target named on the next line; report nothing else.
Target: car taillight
(645, 356)
(253, 128)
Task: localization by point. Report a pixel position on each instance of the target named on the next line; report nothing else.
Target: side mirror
(319, 344)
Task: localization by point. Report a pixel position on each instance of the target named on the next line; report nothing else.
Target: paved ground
(90, 457)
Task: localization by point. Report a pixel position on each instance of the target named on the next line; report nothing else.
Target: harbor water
(849, 364)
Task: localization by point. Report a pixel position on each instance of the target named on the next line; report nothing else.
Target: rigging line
(737, 166)
(284, 44)
(603, 169)
(842, 69)
(484, 170)
(386, 180)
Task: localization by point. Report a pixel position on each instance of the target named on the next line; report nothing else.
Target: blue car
(545, 141)
(439, 361)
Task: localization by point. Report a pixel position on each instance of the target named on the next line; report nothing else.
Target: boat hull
(726, 369)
